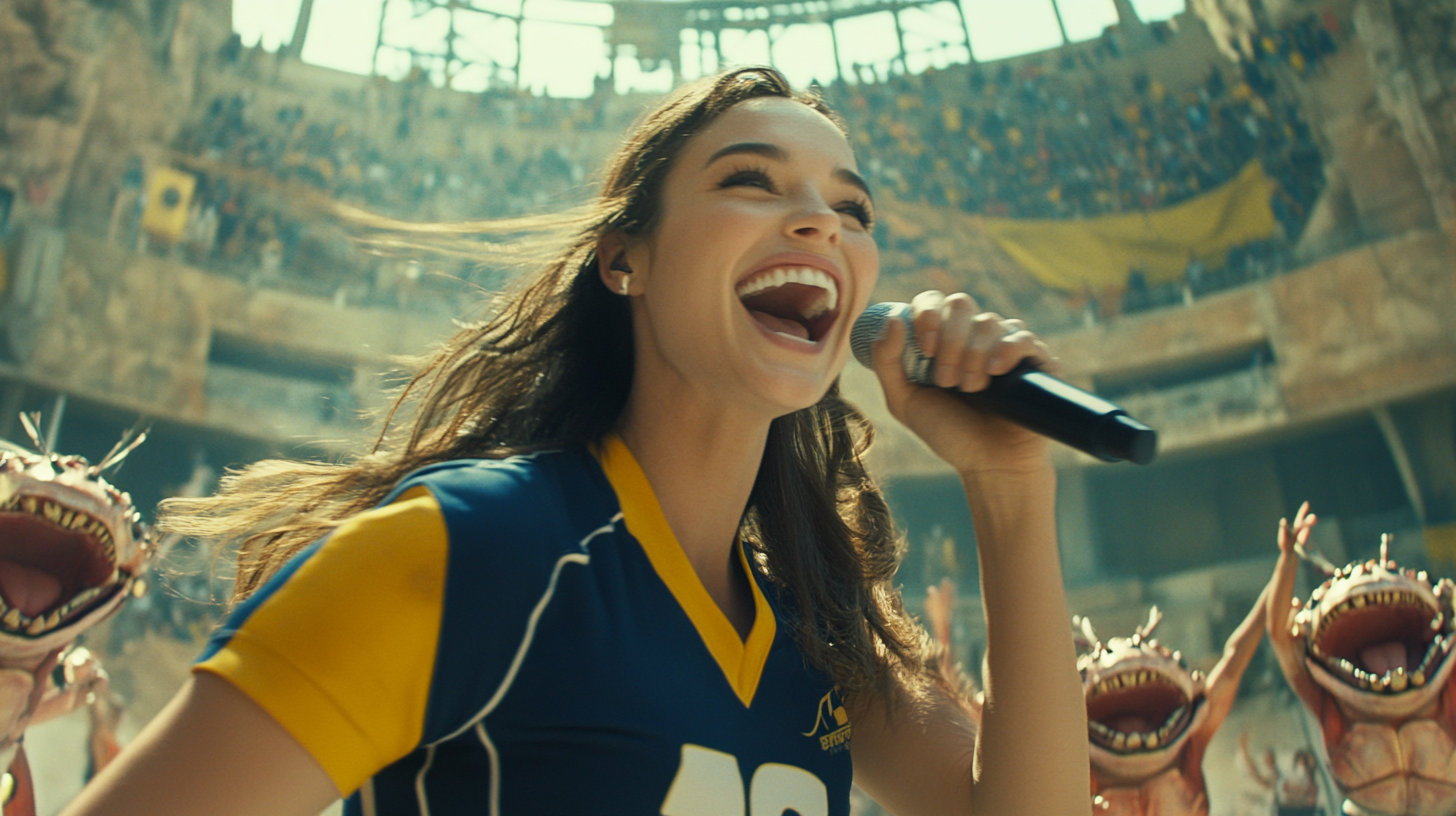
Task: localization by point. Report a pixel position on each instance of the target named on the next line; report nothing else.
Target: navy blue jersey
(526, 636)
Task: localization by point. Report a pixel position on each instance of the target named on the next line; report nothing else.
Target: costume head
(1143, 702)
(1379, 638)
(70, 544)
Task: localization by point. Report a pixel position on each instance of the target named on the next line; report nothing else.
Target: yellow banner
(1100, 252)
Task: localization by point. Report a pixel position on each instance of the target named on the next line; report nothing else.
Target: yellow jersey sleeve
(339, 646)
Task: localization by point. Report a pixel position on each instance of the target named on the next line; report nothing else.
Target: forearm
(1276, 613)
(1288, 649)
(1032, 754)
(1244, 642)
(1223, 681)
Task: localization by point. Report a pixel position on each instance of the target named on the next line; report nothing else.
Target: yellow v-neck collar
(741, 661)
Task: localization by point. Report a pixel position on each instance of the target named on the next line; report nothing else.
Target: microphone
(1026, 396)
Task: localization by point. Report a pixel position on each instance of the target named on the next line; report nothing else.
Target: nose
(813, 219)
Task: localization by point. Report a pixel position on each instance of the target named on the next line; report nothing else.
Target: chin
(788, 394)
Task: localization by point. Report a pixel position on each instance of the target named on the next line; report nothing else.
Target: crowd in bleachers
(252, 162)
(334, 157)
(1054, 140)
(1050, 137)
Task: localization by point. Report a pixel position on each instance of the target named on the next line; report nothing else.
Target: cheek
(864, 258)
(695, 242)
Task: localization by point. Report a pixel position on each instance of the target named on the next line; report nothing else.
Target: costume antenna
(1155, 617)
(29, 422)
(1088, 634)
(129, 442)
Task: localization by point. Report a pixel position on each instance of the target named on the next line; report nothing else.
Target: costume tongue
(1384, 657)
(29, 590)
(1131, 724)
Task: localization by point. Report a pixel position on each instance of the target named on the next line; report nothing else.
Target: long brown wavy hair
(552, 368)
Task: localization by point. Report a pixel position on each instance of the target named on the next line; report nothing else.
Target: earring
(626, 284)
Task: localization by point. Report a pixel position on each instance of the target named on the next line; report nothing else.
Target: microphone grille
(869, 328)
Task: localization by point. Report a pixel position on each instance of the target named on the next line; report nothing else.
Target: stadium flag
(1100, 252)
(169, 196)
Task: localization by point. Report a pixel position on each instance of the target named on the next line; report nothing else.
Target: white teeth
(807, 276)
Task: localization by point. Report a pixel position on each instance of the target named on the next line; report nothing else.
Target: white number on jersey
(708, 783)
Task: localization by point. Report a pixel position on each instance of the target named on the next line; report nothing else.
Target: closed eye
(750, 177)
(759, 177)
(859, 212)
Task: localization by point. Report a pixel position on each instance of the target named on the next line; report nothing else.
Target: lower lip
(785, 341)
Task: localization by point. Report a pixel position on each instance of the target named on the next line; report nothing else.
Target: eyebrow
(776, 153)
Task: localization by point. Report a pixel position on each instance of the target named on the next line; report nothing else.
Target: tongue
(780, 325)
(1130, 724)
(1383, 657)
(29, 590)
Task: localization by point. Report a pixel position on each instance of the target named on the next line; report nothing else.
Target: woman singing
(626, 559)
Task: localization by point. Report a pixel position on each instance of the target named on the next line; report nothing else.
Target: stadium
(1234, 219)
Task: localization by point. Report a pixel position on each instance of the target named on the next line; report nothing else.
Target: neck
(701, 463)
(701, 459)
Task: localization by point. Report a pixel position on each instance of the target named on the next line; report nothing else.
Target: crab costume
(71, 550)
(1150, 718)
(1370, 656)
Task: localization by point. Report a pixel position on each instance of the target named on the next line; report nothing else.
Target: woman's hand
(969, 347)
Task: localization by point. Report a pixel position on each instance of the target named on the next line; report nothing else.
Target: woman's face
(761, 258)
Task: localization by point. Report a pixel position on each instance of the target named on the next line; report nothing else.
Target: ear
(613, 266)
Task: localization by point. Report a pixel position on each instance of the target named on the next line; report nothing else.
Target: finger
(956, 326)
(1299, 517)
(1284, 542)
(1011, 350)
(925, 314)
(986, 336)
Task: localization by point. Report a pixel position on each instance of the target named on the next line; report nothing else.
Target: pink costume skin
(1150, 718)
(1369, 655)
(71, 550)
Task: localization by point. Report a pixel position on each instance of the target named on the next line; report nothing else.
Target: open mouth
(1137, 711)
(798, 302)
(1385, 642)
(56, 564)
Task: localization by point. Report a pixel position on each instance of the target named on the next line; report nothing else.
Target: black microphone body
(1030, 398)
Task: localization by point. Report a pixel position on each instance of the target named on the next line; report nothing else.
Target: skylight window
(564, 44)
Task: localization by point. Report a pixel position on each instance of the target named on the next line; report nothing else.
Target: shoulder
(551, 498)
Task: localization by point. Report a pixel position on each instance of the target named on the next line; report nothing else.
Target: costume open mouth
(56, 563)
(1385, 641)
(1137, 711)
(798, 302)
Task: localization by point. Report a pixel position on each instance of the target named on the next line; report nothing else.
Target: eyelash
(759, 177)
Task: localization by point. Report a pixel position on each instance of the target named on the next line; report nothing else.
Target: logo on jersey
(831, 723)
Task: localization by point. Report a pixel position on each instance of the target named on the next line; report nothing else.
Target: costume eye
(751, 177)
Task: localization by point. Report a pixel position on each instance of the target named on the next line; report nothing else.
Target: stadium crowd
(1053, 140)
(1039, 138)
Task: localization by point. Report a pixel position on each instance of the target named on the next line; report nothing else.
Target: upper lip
(809, 259)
